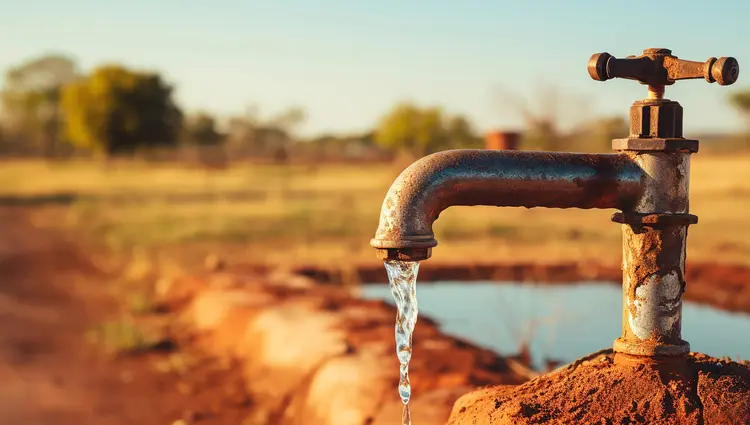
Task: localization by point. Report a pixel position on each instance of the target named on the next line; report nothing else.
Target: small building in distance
(502, 140)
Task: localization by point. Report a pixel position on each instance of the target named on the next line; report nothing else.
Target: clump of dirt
(616, 389)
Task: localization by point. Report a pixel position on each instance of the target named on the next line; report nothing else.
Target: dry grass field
(326, 214)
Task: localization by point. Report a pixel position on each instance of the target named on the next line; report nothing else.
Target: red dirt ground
(50, 294)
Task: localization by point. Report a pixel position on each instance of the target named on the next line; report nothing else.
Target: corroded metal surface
(656, 125)
(654, 219)
(655, 229)
(659, 67)
(655, 118)
(653, 283)
(498, 178)
(655, 144)
(666, 185)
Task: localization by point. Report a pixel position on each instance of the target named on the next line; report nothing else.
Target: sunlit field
(326, 214)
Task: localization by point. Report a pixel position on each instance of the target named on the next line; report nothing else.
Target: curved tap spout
(497, 178)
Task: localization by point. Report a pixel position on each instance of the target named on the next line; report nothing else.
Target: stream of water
(402, 276)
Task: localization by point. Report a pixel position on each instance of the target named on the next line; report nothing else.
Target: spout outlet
(497, 178)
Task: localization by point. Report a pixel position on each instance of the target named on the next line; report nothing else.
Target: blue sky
(347, 62)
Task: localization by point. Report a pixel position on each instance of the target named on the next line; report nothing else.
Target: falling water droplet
(403, 280)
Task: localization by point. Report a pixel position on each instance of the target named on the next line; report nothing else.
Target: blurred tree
(281, 131)
(543, 134)
(608, 128)
(289, 120)
(115, 110)
(339, 146)
(462, 135)
(420, 131)
(248, 134)
(543, 123)
(397, 130)
(31, 96)
(741, 101)
(597, 135)
(241, 131)
(542, 127)
(200, 129)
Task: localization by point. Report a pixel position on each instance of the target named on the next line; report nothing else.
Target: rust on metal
(404, 254)
(655, 144)
(658, 67)
(666, 185)
(656, 119)
(655, 93)
(653, 283)
(655, 230)
(500, 178)
(654, 219)
(655, 122)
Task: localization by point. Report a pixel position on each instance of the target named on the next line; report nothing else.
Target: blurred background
(142, 141)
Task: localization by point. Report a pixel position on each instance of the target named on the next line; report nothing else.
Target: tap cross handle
(659, 68)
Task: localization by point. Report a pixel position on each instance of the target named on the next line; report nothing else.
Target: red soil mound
(607, 388)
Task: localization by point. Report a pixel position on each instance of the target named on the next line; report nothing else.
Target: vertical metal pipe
(653, 283)
(666, 183)
(654, 246)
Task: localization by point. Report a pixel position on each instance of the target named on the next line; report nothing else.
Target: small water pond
(562, 322)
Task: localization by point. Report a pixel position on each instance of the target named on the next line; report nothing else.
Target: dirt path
(50, 294)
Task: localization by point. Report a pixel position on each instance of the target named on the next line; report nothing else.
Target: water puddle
(561, 322)
(402, 276)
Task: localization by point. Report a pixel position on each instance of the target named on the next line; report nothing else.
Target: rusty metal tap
(647, 180)
(655, 230)
(658, 68)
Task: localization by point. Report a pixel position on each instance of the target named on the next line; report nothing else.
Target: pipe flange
(654, 219)
(404, 254)
(672, 145)
(651, 348)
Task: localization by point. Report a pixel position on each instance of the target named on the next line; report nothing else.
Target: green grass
(327, 214)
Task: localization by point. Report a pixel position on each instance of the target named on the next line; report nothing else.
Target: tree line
(50, 107)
